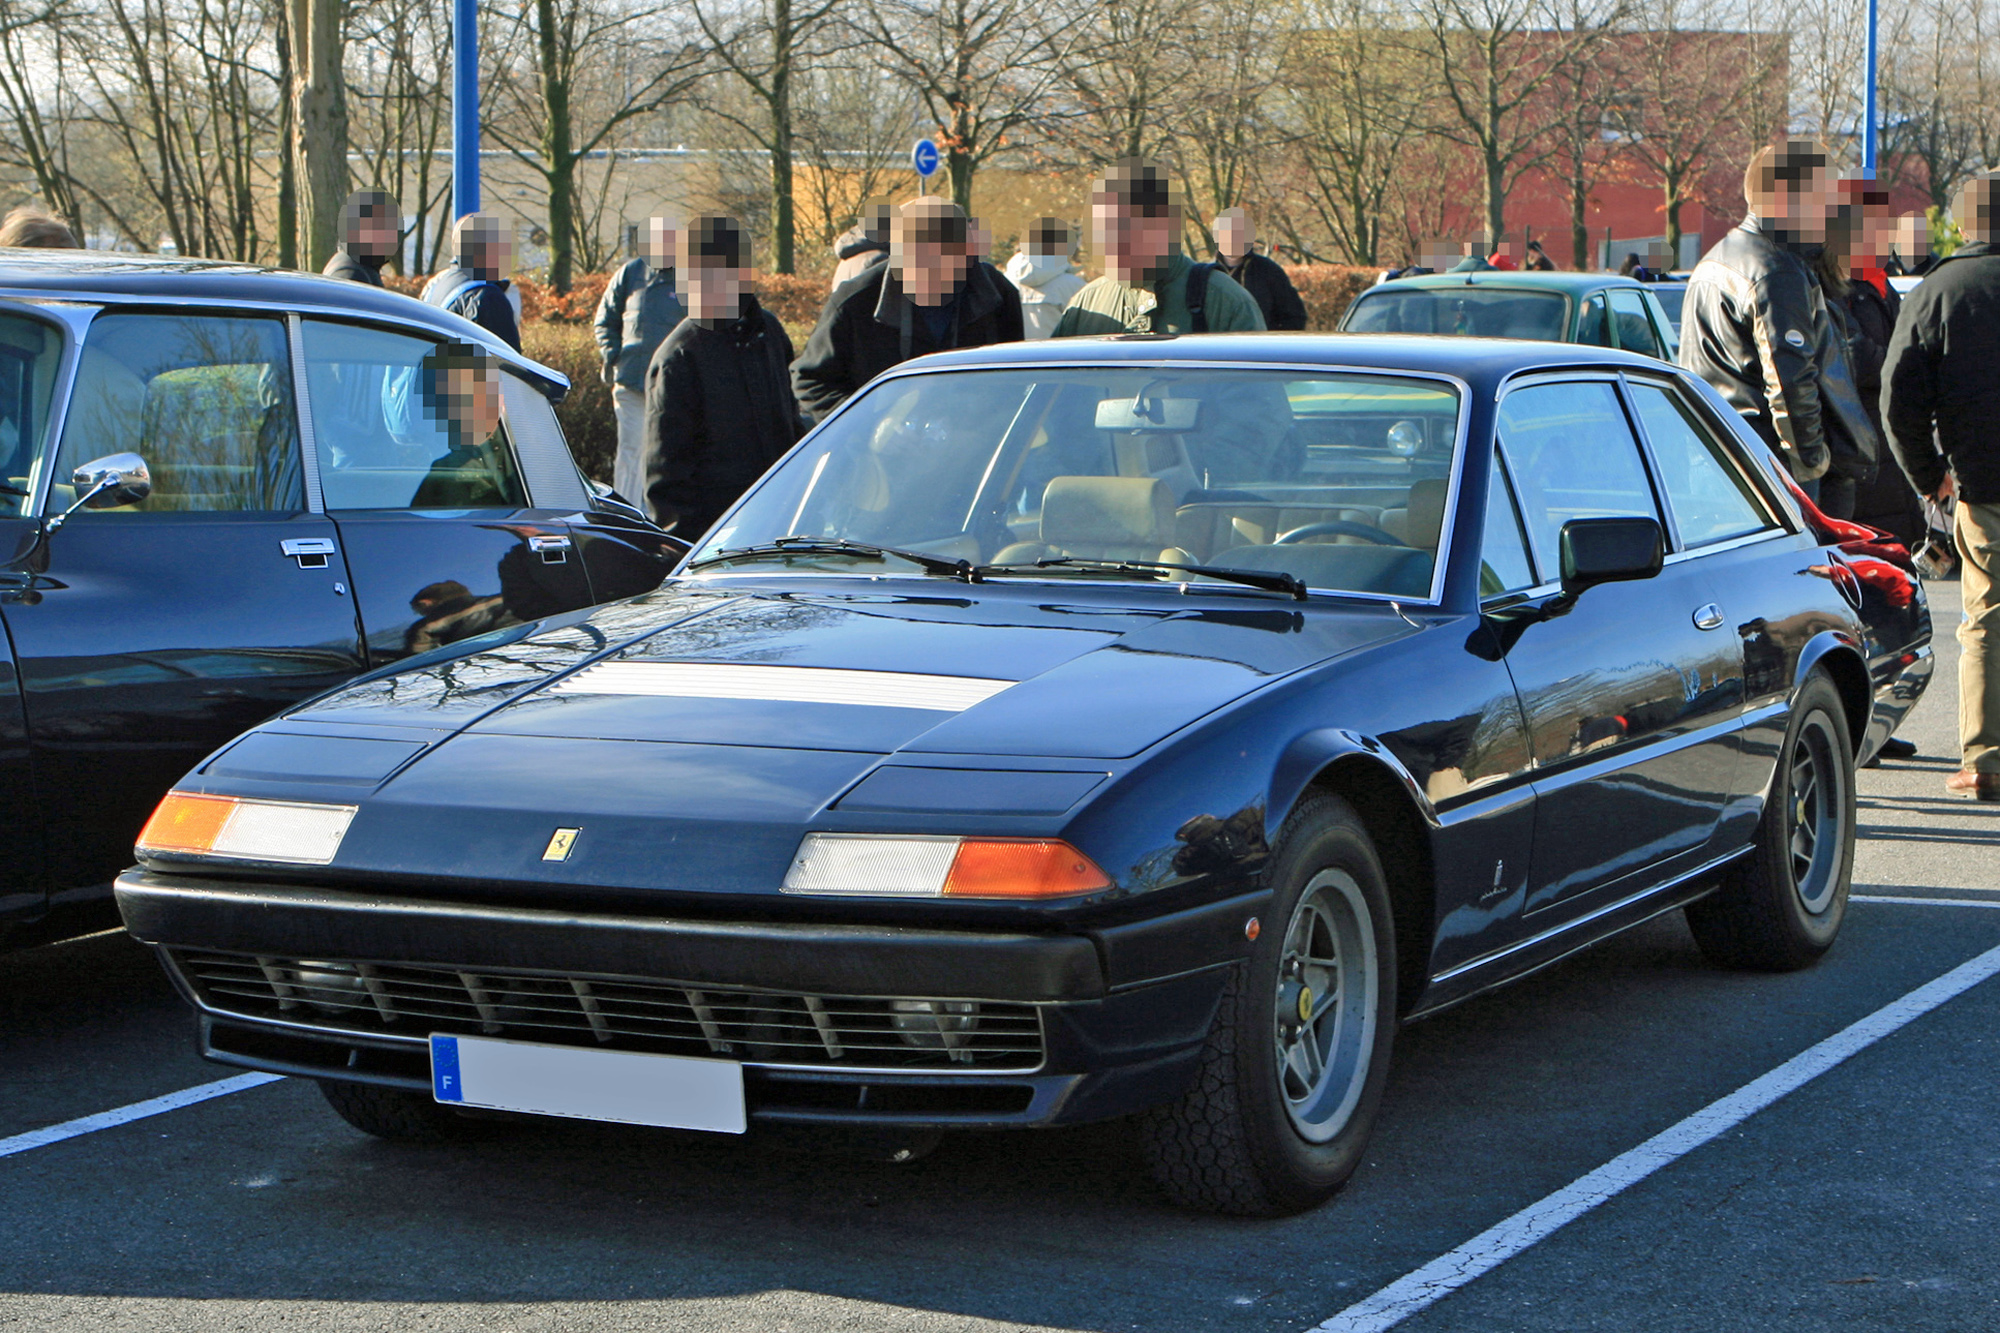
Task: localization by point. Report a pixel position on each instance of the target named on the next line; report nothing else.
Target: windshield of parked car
(1337, 478)
(30, 352)
(1474, 312)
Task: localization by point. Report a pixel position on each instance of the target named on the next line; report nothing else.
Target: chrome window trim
(72, 322)
(1674, 387)
(1615, 377)
(302, 406)
(1297, 369)
(1769, 534)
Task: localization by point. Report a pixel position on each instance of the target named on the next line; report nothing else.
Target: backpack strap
(1197, 297)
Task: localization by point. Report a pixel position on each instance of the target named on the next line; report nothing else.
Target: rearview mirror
(1146, 413)
(111, 481)
(1609, 550)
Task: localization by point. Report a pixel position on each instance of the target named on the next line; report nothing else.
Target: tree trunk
(558, 162)
(319, 125)
(1496, 201)
(1579, 227)
(1671, 183)
(783, 224)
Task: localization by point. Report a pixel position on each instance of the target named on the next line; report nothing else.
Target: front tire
(1780, 907)
(1293, 1071)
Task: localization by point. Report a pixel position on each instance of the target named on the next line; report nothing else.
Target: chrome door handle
(310, 552)
(1708, 616)
(554, 549)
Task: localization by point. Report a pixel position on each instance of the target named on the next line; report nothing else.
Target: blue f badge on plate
(446, 1085)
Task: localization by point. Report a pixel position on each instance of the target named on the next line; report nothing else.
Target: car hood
(707, 725)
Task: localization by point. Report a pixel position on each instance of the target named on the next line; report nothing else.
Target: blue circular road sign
(925, 158)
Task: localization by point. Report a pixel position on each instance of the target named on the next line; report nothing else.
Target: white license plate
(629, 1087)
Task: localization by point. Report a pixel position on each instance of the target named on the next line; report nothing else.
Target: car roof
(1481, 362)
(1524, 280)
(110, 277)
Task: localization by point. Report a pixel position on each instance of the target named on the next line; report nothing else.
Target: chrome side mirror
(106, 483)
(111, 481)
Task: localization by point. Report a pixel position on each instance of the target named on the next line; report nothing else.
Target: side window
(1635, 330)
(1574, 456)
(1503, 554)
(1711, 500)
(392, 431)
(1592, 327)
(206, 400)
(540, 447)
(30, 354)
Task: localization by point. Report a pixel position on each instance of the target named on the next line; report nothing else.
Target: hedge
(556, 331)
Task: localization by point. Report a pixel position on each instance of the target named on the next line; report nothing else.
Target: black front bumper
(1122, 1011)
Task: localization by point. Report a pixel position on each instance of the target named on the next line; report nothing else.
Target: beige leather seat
(1103, 518)
(1213, 526)
(1420, 523)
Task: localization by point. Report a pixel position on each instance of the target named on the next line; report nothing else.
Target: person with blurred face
(1887, 501)
(28, 227)
(934, 294)
(1260, 275)
(640, 307)
(719, 405)
(865, 244)
(1755, 318)
(371, 227)
(475, 284)
(458, 387)
(1149, 286)
(1043, 273)
(1941, 401)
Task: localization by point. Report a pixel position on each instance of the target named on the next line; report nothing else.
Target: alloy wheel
(1324, 1024)
(1816, 814)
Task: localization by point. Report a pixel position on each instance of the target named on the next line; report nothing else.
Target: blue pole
(1868, 102)
(465, 108)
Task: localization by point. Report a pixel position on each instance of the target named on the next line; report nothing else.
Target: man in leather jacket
(1755, 319)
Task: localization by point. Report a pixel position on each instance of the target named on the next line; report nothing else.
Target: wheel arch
(1400, 821)
(1840, 657)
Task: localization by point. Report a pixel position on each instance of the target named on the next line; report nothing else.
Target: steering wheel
(1367, 532)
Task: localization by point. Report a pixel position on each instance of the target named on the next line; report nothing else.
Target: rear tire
(1294, 1067)
(1780, 907)
(394, 1114)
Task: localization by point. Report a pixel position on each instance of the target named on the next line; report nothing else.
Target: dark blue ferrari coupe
(1065, 731)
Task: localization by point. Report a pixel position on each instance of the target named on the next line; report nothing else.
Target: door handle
(1708, 616)
(554, 550)
(310, 552)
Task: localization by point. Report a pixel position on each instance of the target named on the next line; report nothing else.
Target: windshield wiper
(930, 564)
(1268, 580)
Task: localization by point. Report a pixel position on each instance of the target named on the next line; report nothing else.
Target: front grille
(402, 999)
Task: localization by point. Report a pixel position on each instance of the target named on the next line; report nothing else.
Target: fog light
(329, 987)
(289, 831)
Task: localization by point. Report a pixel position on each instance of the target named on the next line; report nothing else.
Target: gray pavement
(1863, 1201)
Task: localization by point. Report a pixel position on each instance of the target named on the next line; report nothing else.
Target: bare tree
(1127, 71)
(33, 54)
(765, 44)
(854, 125)
(1930, 82)
(1494, 62)
(982, 69)
(319, 122)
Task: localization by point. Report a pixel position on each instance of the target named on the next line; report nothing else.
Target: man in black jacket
(932, 295)
(1755, 319)
(719, 408)
(371, 223)
(1260, 275)
(1941, 402)
(475, 285)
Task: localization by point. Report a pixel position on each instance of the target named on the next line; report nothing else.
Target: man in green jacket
(1149, 286)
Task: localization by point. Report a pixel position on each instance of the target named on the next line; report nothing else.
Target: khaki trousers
(1978, 541)
(628, 469)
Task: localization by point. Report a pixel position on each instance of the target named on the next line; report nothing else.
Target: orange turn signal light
(1006, 868)
(187, 823)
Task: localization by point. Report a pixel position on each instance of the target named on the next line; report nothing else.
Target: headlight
(1406, 438)
(288, 831)
(890, 866)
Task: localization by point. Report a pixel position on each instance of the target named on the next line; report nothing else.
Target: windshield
(1338, 479)
(1476, 312)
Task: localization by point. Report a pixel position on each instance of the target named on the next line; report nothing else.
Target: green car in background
(1600, 309)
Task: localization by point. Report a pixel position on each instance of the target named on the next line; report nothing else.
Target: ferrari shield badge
(560, 843)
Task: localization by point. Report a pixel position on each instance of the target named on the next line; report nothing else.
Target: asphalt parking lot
(1864, 1199)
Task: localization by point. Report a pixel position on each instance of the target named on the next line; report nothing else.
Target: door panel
(1633, 708)
(424, 579)
(147, 642)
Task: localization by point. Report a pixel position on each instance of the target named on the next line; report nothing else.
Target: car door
(1633, 725)
(443, 533)
(32, 350)
(153, 632)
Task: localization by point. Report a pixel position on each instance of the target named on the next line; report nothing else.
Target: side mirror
(111, 481)
(1609, 550)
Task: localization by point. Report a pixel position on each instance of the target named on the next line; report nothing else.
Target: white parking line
(125, 1115)
(1925, 902)
(1497, 1244)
